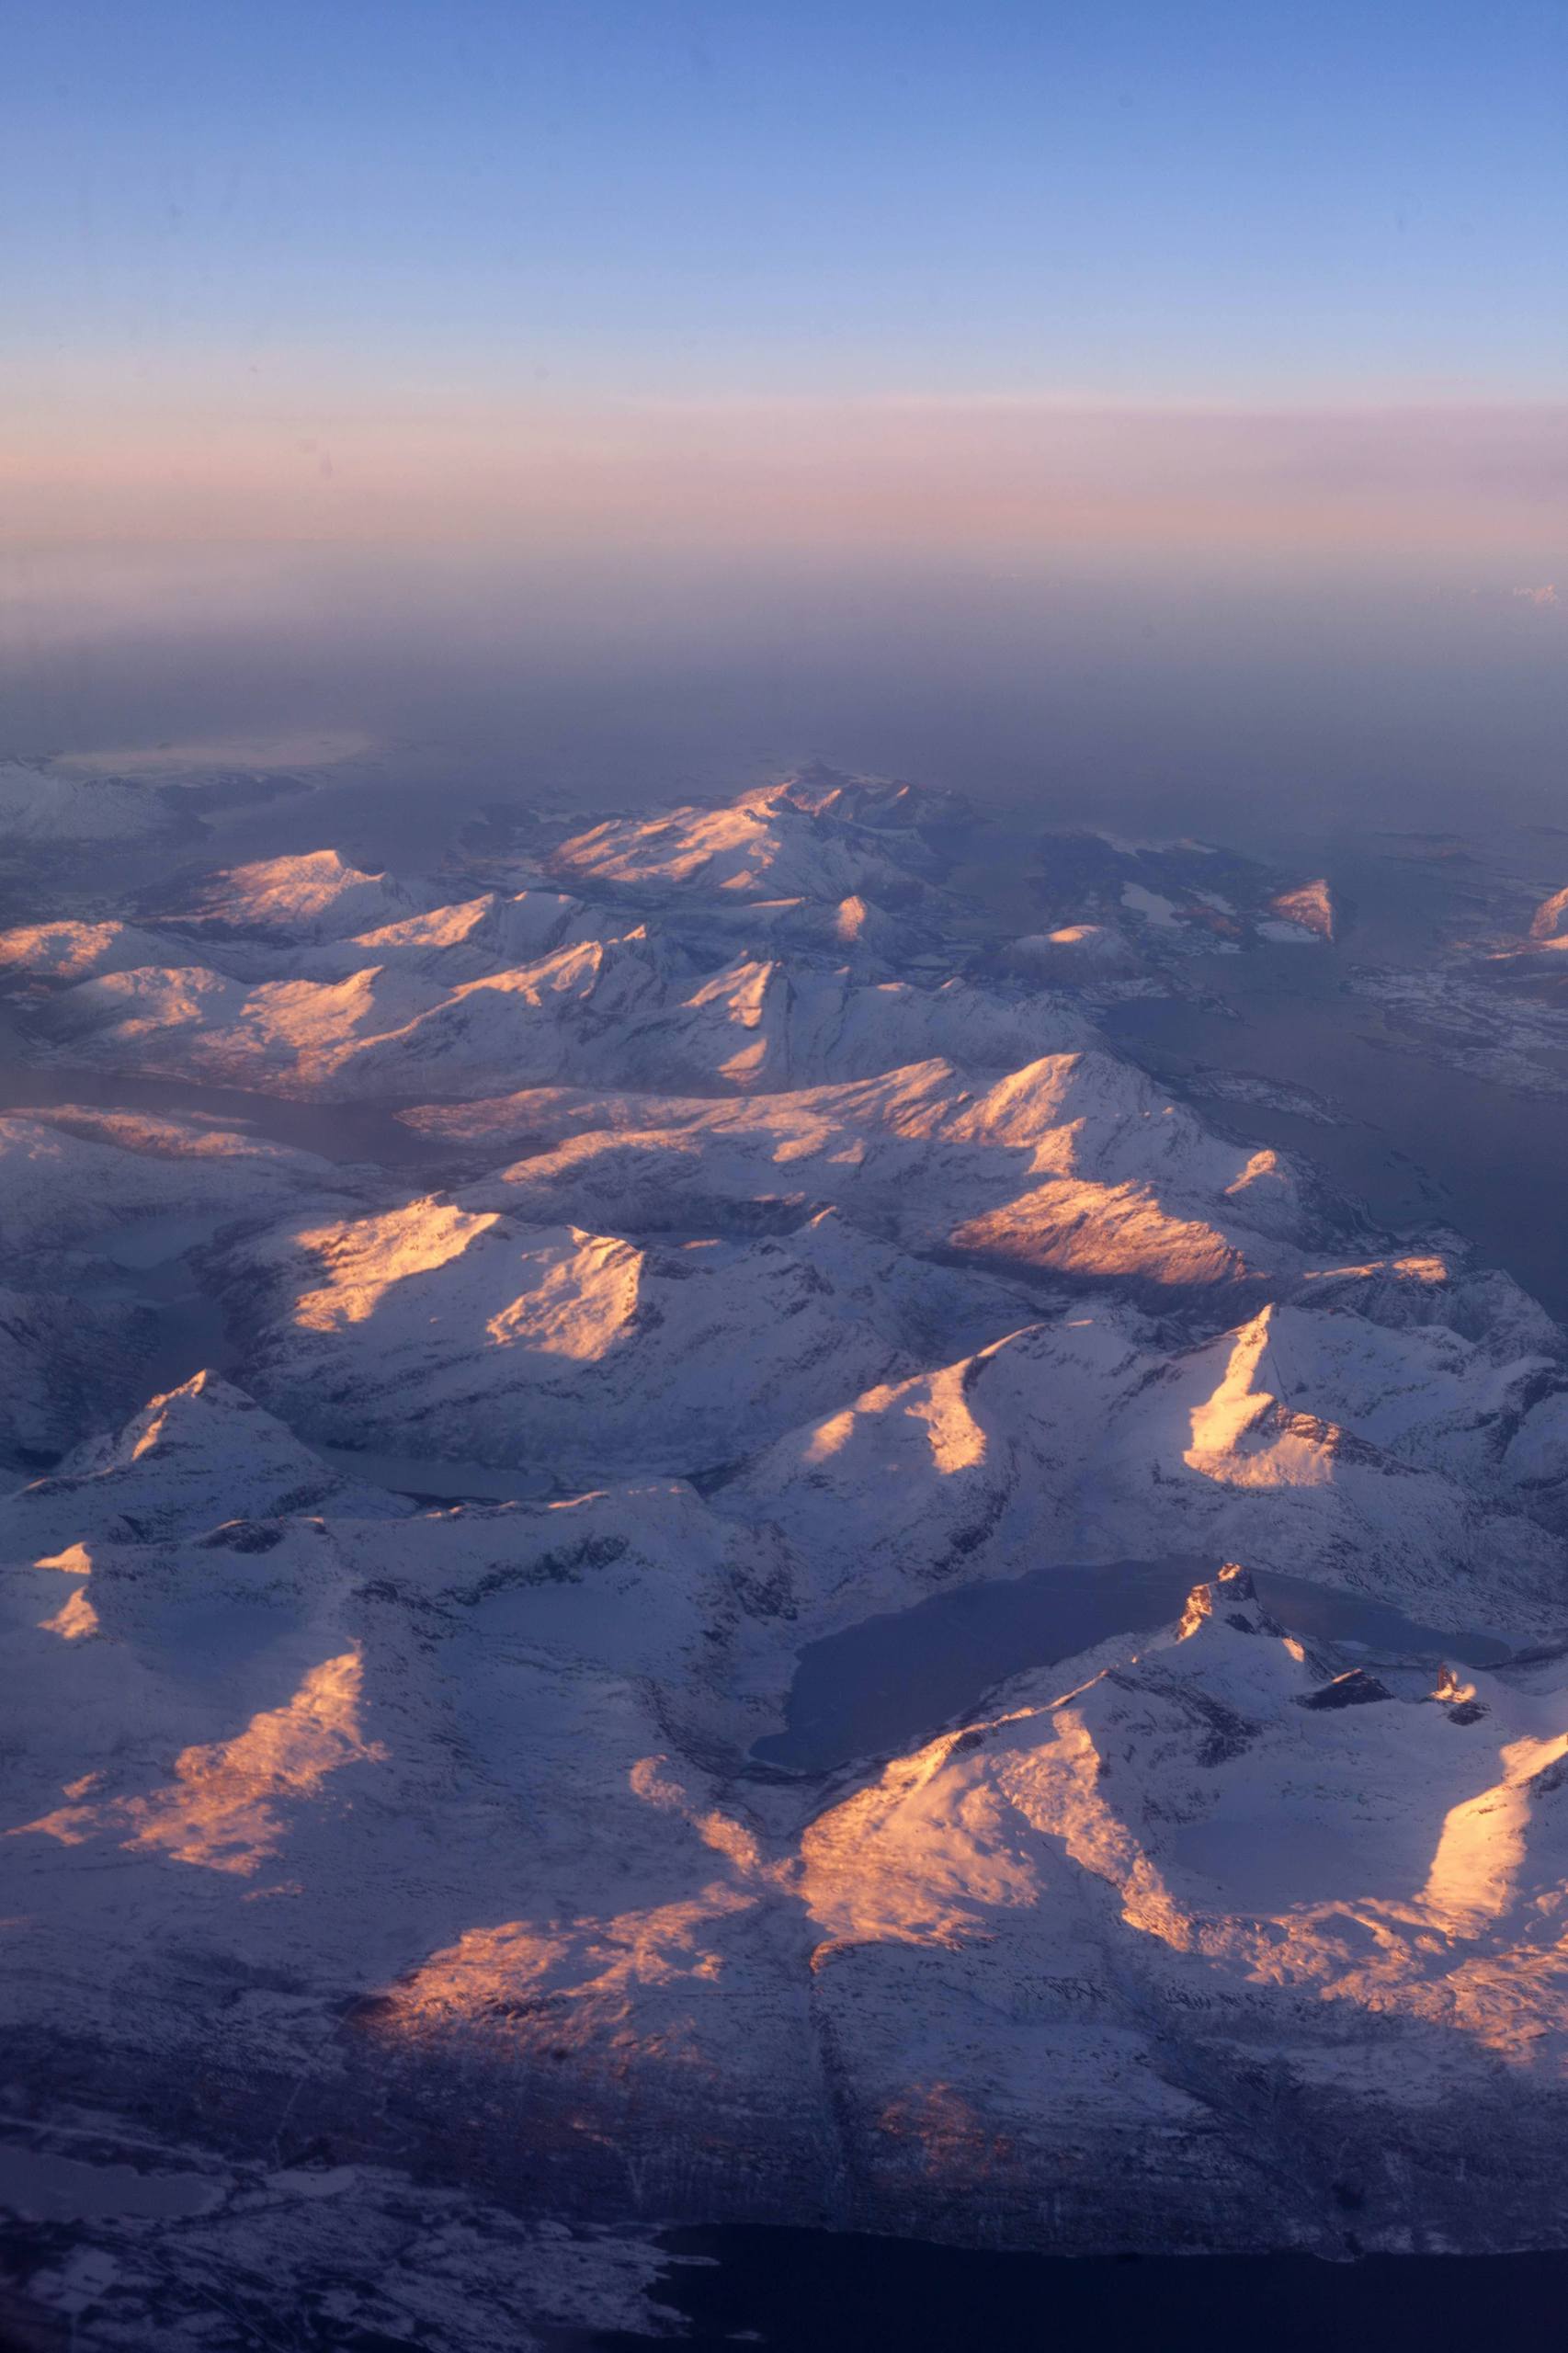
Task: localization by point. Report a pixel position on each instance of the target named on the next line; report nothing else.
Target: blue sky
(1041, 382)
(1148, 202)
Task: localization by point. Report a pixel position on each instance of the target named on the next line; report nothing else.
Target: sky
(1213, 203)
(1129, 297)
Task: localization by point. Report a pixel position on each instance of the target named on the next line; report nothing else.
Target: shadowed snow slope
(468, 940)
(797, 1274)
(70, 1173)
(1034, 1961)
(65, 1366)
(313, 896)
(1076, 1162)
(80, 952)
(1376, 1873)
(1082, 1440)
(456, 1332)
(615, 1009)
(44, 809)
(204, 1453)
(807, 838)
(1076, 951)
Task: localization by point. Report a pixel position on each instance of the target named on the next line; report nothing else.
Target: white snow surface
(313, 894)
(803, 838)
(1080, 1439)
(70, 1172)
(1550, 922)
(44, 809)
(1076, 1162)
(615, 1010)
(445, 1331)
(796, 1285)
(80, 952)
(203, 1454)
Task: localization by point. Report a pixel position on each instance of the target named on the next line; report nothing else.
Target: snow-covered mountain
(1077, 1163)
(1164, 901)
(471, 939)
(1074, 952)
(63, 952)
(787, 1232)
(613, 1009)
(44, 809)
(1550, 922)
(1308, 907)
(71, 1174)
(449, 1332)
(1207, 1911)
(813, 837)
(1083, 1440)
(202, 1456)
(1225, 1844)
(314, 895)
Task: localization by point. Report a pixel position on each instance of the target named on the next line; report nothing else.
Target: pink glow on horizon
(1011, 475)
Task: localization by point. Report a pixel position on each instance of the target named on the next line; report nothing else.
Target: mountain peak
(1309, 906)
(200, 1454)
(1551, 918)
(1232, 1598)
(313, 895)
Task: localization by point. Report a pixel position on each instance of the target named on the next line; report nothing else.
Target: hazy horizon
(1217, 701)
(1169, 413)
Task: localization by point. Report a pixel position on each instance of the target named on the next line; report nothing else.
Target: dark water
(1420, 1142)
(817, 2291)
(42, 2185)
(432, 1479)
(342, 1131)
(894, 1680)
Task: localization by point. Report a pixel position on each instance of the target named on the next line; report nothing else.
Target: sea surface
(820, 2291)
(1416, 1140)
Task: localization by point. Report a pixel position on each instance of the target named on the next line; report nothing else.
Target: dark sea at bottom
(818, 2291)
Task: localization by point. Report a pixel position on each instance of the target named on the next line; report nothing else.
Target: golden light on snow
(74, 1621)
(832, 1436)
(958, 1439)
(1476, 1870)
(222, 1809)
(1182, 1847)
(578, 1305)
(1243, 1434)
(75, 1561)
(369, 1258)
(938, 1406)
(577, 1983)
(580, 1981)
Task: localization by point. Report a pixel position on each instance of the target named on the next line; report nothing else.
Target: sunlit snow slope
(431, 1456)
